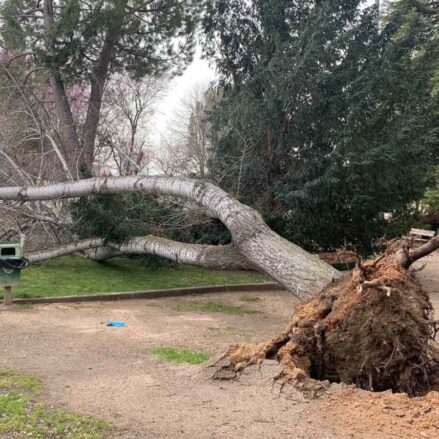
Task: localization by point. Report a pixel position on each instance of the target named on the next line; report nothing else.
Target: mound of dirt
(374, 329)
(394, 414)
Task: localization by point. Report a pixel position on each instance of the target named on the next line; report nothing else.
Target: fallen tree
(300, 272)
(374, 328)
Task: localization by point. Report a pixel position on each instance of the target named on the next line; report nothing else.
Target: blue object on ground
(116, 324)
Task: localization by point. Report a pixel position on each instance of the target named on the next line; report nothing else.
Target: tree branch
(222, 257)
(65, 250)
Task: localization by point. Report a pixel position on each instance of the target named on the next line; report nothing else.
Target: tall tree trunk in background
(298, 271)
(69, 135)
(80, 155)
(97, 83)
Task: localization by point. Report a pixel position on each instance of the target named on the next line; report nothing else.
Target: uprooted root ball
(373, 329)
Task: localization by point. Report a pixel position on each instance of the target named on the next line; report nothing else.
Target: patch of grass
(21, 416)
(212, 308)
(183, 355)
(73, 275)
(10, 380)
(249, 299)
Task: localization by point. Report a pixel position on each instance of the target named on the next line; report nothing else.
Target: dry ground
(109, 373)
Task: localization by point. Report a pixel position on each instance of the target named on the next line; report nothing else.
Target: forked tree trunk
(298, 271)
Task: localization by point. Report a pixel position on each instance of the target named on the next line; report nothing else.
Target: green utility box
(11, 263)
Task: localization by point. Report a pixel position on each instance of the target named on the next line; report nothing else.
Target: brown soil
(109, 373)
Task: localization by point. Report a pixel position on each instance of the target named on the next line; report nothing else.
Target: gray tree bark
(64, 250)
(97, 83)
(300, 272)
(221, 257)
(71, 145)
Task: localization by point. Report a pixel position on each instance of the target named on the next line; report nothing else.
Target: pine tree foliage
(328, 124)
(155, 35)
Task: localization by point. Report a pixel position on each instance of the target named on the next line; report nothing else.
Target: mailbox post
(11, 264)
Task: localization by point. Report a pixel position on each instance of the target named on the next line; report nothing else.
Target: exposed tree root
(374, 329)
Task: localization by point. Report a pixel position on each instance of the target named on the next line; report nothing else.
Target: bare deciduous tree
(127, 110)
(185, 148)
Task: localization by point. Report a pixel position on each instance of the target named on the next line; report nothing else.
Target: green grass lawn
(70, 275)
(174, 355)
(22, 417)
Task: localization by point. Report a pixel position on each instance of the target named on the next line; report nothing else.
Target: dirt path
(109, 372)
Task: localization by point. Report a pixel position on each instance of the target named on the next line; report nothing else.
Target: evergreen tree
(328, 124)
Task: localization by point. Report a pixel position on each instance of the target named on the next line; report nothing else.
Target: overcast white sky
(197, 74)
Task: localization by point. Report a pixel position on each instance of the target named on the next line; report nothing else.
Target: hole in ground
(320, 371)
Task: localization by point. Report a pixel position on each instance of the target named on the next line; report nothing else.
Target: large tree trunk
(298, 271)
(71, 146)
(80, 155)
(98, 79)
